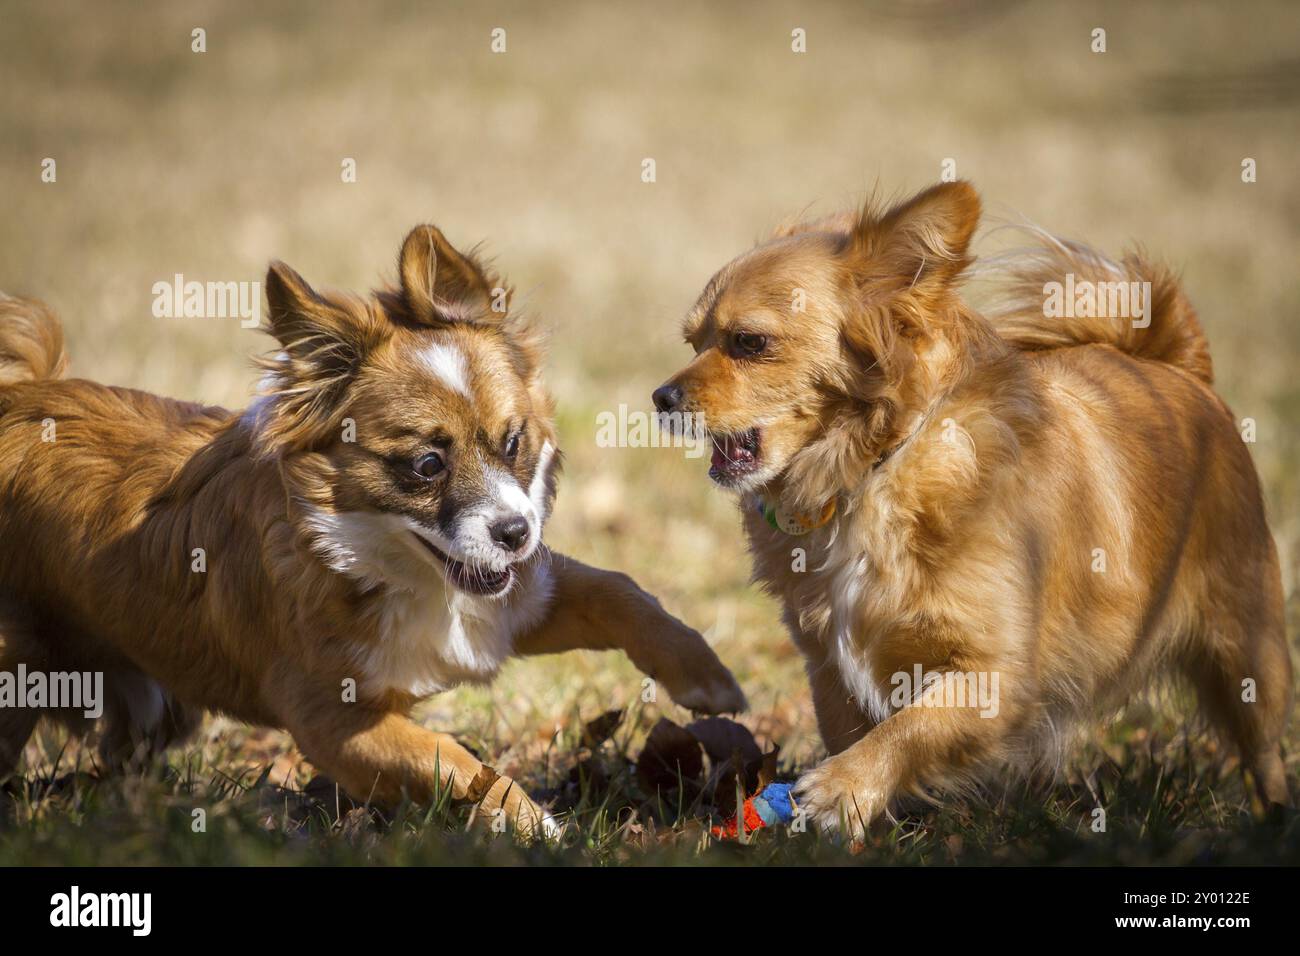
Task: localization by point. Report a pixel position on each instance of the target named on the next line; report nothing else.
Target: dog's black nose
(668, 397)
(510, 533)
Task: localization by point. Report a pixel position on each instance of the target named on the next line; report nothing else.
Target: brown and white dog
(1056, 509)
(371, 531)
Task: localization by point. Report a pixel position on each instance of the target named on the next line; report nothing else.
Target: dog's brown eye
(750, 343)
(512, 446)
(428, 465)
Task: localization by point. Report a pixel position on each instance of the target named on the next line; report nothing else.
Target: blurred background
(210, 164)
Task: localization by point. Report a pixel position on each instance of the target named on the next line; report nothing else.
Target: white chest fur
(429, 636)
(435, 638)
(851, 587)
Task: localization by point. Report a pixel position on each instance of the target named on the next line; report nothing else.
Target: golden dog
(1054, 507)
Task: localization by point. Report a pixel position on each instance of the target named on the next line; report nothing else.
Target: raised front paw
(697, 680)
(840, 795)
(712, 692)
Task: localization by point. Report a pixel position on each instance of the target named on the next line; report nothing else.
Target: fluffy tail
(1042, 302)
(31, 341)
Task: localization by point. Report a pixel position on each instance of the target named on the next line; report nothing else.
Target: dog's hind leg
(1243, 680)
(141, 719)
(16, 726)
(18, 645)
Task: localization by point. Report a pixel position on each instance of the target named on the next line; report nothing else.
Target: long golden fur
(1064, 503)
(366, 534)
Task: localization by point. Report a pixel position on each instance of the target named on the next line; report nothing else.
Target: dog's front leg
(605, 610)
(924, 743)
(379, 756)
(840, 720)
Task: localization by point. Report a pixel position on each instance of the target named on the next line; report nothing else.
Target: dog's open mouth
(734, 455)
(475, 580)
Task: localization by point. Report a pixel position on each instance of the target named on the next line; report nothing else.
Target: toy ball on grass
(770, 806)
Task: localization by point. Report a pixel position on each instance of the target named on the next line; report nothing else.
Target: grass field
(210, 164)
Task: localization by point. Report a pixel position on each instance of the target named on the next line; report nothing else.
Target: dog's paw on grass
(1165, 799)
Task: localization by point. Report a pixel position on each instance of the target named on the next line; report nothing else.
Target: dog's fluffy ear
(903, 264)
(327, 334)
(919, 246)
(442, 285)
(323, 339)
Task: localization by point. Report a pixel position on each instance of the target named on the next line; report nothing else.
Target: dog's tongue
(728, 452)
(719, 459)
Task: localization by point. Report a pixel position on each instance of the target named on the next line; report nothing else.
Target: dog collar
(782, 518)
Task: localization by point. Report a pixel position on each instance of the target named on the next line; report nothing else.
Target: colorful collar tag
(794, 522)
